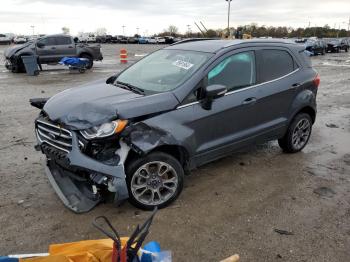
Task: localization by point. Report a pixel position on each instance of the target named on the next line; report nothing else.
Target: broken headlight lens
(104, 130)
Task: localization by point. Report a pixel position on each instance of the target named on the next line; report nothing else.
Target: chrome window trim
(243, 89)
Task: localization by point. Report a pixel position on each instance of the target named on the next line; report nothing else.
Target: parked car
(91, 38)
(300, 40)
(137, 134)
(132, 40)
(345, 44)
(160, 40)
(101, 39)
(143, 40)
(122, 39)
(87, 38)
(20, 39)
(50, 49)
(169, 40)
(152, 40)
(315, 46)
(114, 39)
(108, 38)
(335, 46)
(5, 39)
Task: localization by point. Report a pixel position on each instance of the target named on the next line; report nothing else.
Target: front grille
(54, 135)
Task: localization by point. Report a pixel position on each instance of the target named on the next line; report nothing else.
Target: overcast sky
(151, 16)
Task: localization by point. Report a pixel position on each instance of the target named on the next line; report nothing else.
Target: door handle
(296, 85)
(249, 101)
(70, 46)
(53, 47)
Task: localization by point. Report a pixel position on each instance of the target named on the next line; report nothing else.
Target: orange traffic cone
(123, 56)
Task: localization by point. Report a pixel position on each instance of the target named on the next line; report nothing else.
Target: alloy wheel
(301, 133)
(154, 183)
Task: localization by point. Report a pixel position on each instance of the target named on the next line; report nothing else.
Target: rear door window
(274, 63)
(63, 40)
(48, 41)
(234, 72)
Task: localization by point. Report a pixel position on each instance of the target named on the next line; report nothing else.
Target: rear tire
(154, 180)
(91, 60)
(297, 135)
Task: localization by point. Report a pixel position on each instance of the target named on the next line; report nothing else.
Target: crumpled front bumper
(8, 64)
(77, 194)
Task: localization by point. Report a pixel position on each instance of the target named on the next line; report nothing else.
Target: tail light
(317, 81)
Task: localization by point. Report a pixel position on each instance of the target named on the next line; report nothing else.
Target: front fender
(143, 138)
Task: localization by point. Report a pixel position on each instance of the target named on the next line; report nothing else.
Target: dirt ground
(229, 206)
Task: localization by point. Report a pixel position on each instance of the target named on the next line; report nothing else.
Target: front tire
(17, 65)
(298, 134)
(154, 180)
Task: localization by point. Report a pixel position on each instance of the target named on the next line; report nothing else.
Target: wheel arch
(178, 152)
(308, 110)
(85, 53)
(304, 102)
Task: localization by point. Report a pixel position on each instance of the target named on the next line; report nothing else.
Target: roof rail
(263, 41)
(193, 40)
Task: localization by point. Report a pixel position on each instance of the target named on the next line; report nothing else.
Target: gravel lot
(232, 205)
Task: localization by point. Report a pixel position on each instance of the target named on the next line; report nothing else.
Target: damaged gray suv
(137, 134)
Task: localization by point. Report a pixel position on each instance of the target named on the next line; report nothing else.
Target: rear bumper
(77, 193)
(99, 57)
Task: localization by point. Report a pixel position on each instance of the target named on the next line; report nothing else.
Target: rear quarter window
(48, 41)
(274, 63)
(63, 40)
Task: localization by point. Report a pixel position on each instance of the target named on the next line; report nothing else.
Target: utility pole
(32, 26)
(228, 17)
(338, 31)
(188, 30)
(123, 30)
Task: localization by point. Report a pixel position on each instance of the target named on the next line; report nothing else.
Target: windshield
(164, 70)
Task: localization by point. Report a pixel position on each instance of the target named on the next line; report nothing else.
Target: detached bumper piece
(74, 194)
(80, 194)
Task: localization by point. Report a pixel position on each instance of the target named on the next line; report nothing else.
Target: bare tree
(65, 30)
(101, 31)
(173, 30)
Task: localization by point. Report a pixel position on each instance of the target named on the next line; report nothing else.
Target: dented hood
(15, 48)
(97, 103)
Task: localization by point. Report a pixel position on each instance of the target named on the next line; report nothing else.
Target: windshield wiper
(130, 87)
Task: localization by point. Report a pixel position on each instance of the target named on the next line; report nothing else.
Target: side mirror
(111, 79)
(40, 44)
(212, 92)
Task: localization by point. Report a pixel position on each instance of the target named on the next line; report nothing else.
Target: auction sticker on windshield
(183, 64)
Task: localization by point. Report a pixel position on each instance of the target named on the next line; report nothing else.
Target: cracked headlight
(104, 130)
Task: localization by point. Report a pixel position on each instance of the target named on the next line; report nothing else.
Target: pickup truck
(50, 49)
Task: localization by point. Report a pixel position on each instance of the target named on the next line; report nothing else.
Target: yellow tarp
(82, 251)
